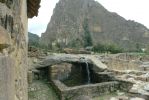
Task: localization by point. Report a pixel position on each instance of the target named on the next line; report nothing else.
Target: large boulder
(70, 58)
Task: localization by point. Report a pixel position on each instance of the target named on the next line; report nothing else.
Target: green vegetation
(109, 48)
(138, 48)
(77, 43)
(33, 40)
(87, 35)
(99, 48)
(147, 50)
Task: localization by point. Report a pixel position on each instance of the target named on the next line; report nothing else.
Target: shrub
(103, 48)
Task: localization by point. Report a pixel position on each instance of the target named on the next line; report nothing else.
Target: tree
(87, 35)
(33, 40)
(138, 48)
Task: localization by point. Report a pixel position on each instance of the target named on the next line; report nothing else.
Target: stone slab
(6, 78)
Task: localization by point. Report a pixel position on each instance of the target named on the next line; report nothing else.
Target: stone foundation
(69, 80)
(117, 64)
(60, 71)
(91, 90)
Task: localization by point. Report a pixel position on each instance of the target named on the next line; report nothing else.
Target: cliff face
(76, 21)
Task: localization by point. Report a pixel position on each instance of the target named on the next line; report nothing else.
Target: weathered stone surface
(146, 87)
(91, 90)
(137, 98)
(82, 97)
(125, 85)
(13, 33)
(7, 90)
(74, 51)
(30, 77)
(97, 62)
(113, 98)
(104, 76)
(144, 66)
(4, 39)
(122, 98)
(60, 71)
(59, 58)
(123, 62)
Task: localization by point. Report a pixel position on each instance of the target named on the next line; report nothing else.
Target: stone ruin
(133, 68)
(70, 78)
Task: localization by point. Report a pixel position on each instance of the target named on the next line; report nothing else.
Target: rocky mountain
(81, 23)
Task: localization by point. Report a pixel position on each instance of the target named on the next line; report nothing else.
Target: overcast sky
(137, 10)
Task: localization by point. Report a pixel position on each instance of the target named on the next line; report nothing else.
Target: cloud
(37, 28)
(129, 9)
(38, 24)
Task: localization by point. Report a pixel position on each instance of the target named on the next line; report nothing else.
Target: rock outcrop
(78, 23)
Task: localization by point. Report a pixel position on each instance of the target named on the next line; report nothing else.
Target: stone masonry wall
(60, 71)
(118, 64)
(13, 18)
(92, 90)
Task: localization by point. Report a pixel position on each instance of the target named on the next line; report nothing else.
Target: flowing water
(87, 70)
(88, 73)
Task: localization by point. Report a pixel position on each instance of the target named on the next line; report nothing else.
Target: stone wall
(13, 18)
(60, 71)
(120, 64)
(92, 90)
(6, 76)
(103, 77)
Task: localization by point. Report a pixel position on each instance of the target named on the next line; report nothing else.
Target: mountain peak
(75, 22)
